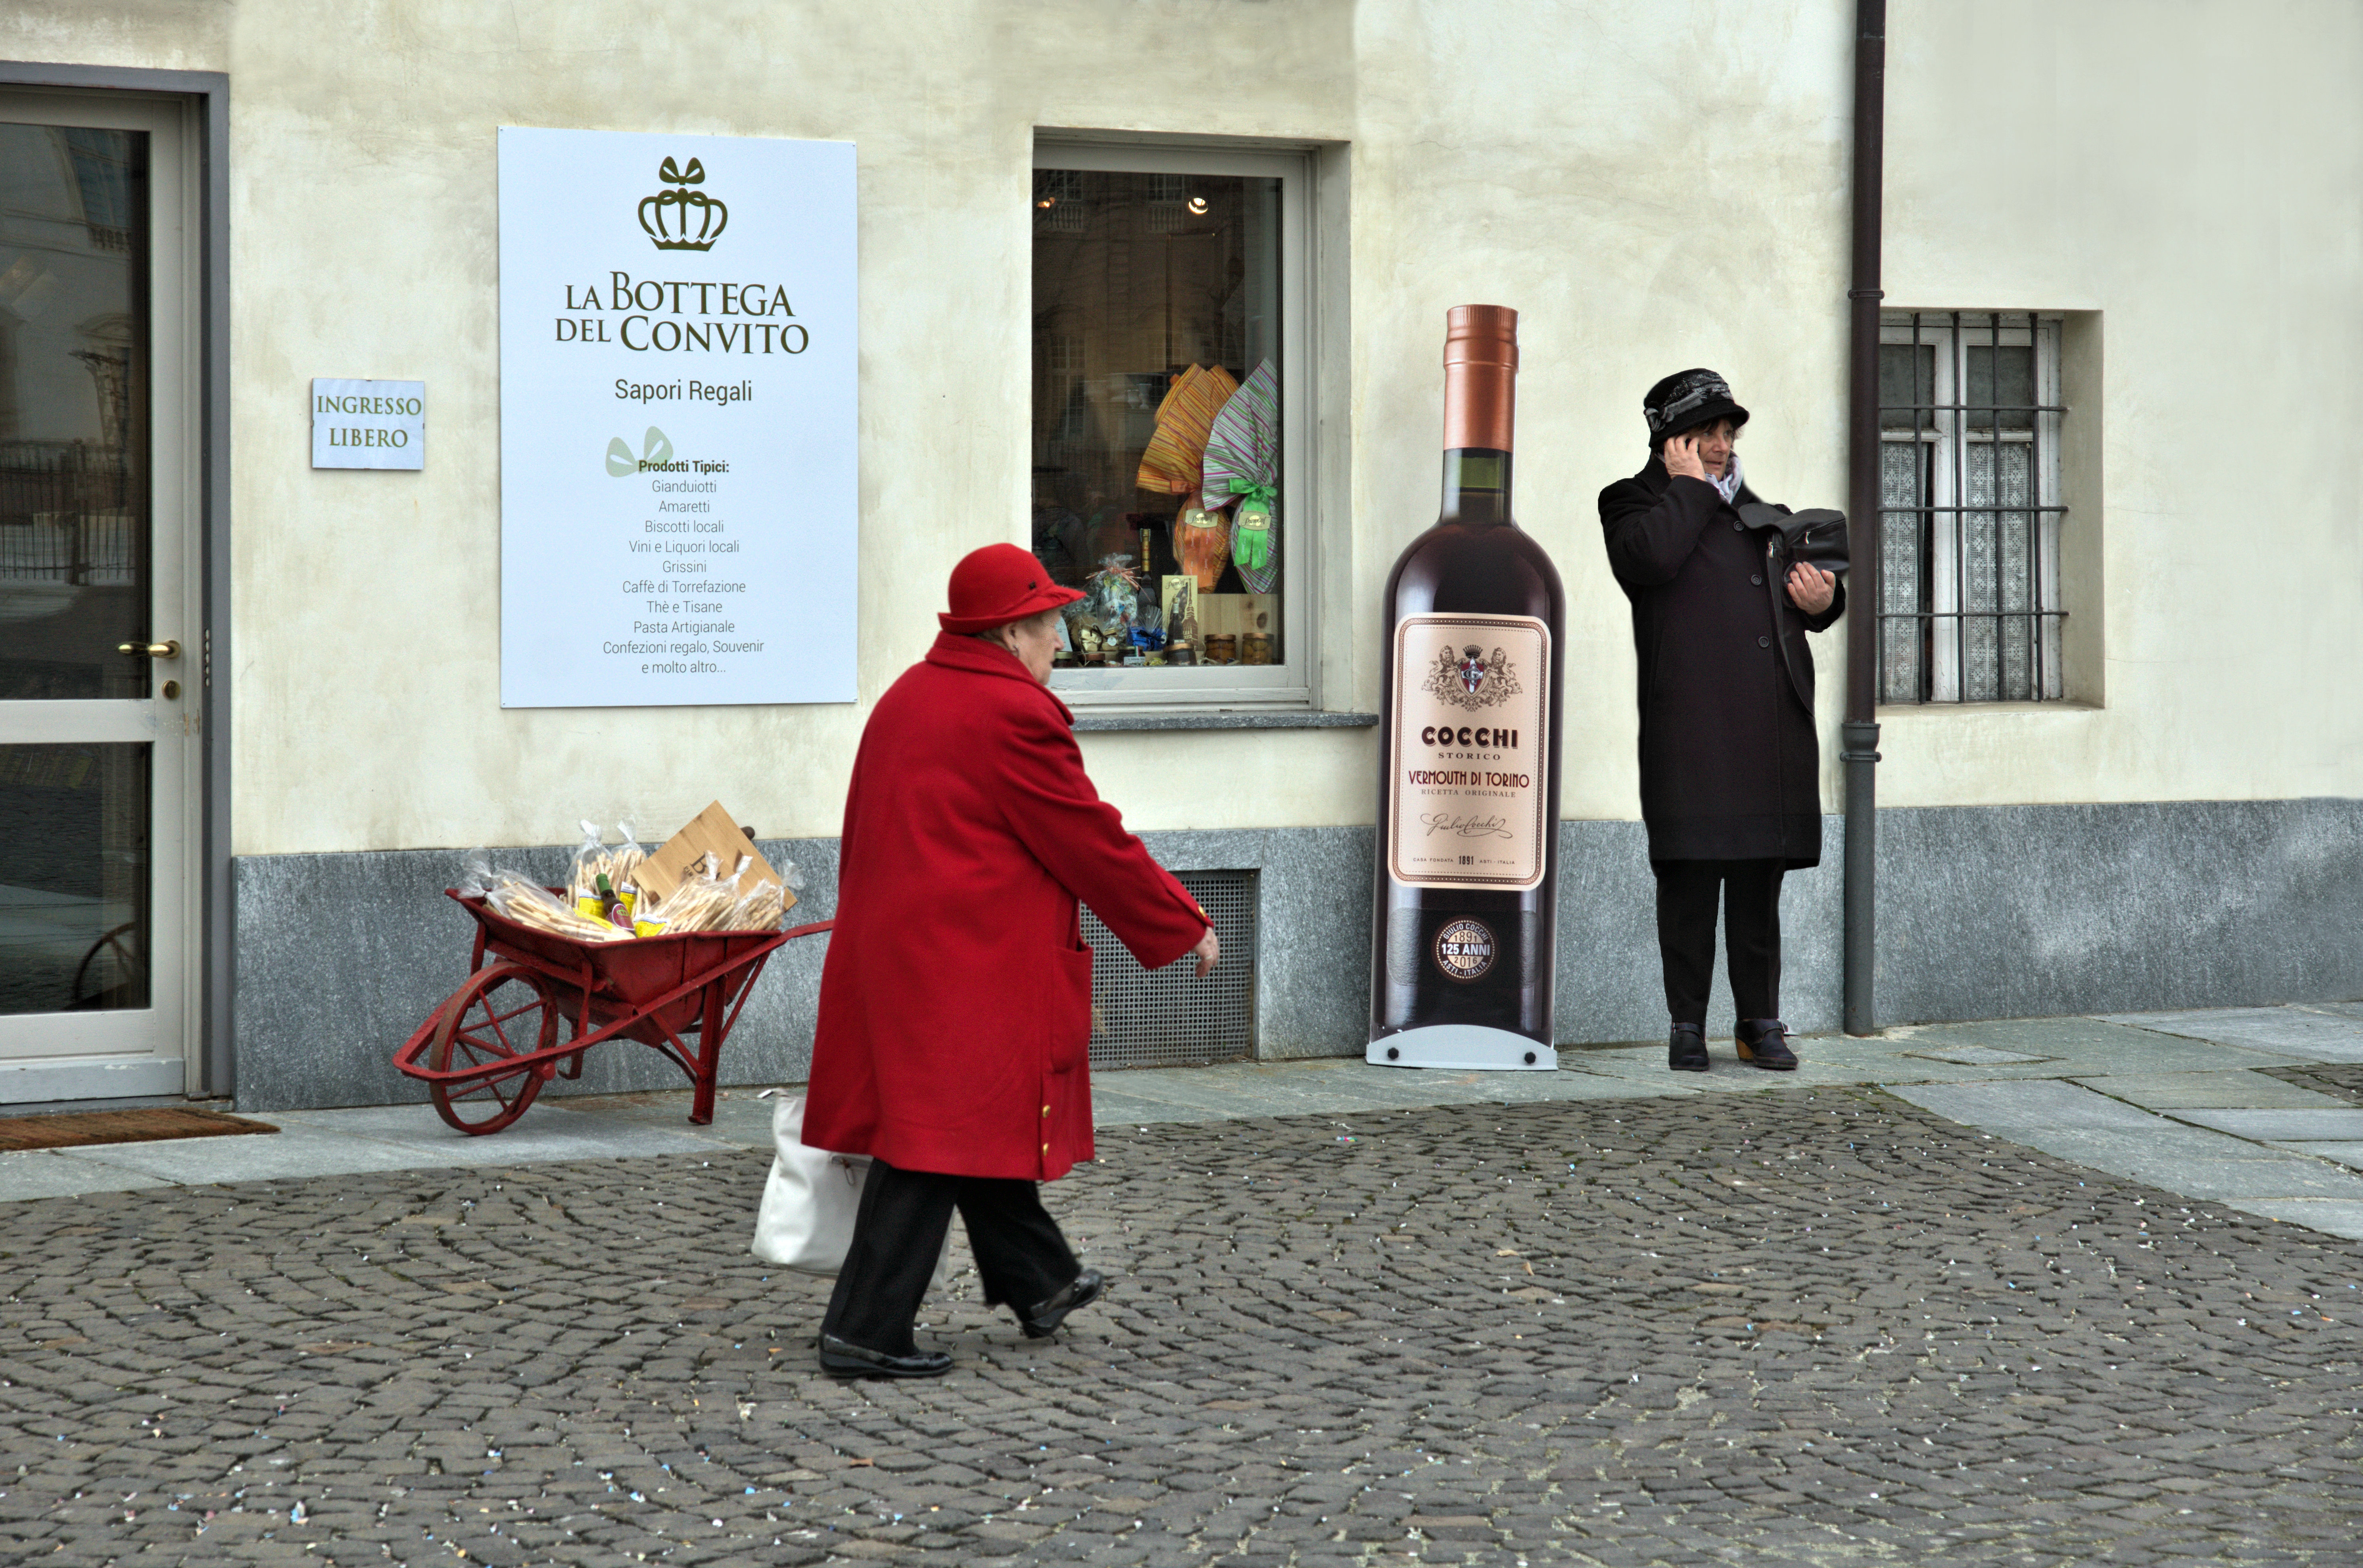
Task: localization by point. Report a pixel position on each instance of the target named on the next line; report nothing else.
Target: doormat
(86, 1128)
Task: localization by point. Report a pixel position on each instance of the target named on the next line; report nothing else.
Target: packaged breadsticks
(623, 863)
(530, 904)
(591, 862)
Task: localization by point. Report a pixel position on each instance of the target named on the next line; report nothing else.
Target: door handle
(153, 650)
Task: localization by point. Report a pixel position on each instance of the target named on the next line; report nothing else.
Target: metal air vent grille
(1170, 1018)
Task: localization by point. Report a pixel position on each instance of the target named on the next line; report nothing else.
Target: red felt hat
(998, 584)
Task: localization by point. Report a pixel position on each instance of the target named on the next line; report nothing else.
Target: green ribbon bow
(1251, 542)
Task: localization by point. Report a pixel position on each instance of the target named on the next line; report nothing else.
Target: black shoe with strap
(1686, 1049)
(1044, 1320)
(1764, 1042)
(841, 1358)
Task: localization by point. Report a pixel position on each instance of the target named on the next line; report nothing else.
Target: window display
(1157, 416)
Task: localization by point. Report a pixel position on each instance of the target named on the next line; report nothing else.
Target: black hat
(1687, 400)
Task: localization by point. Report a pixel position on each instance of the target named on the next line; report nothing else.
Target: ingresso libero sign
(368, 424)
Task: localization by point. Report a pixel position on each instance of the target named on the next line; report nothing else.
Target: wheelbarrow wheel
(501, 1012)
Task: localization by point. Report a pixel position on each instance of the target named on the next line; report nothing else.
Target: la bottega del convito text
(1463, 931)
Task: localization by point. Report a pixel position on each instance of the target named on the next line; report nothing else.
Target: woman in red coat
(956, 1001)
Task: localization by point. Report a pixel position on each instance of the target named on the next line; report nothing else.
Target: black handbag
(1816, 537)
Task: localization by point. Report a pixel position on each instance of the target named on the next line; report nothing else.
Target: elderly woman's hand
(1209, 948)
(1681, 458)
(1811, 588)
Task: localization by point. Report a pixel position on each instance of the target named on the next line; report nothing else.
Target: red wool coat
(956, 1000)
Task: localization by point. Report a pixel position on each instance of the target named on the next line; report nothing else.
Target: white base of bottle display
(1463, 1045)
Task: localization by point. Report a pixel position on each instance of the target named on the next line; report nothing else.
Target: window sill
(1223, 718)
(1892, 711)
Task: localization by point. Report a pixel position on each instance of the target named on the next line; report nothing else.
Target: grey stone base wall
(1989, 912)
(2029, 912)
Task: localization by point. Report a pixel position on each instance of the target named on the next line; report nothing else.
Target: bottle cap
(1481, 334)
(1480, 375)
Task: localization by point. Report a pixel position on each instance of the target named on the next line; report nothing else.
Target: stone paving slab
(292, 1152)
(388, 1138)
(544, 1132)
(1299, 1088)
(2235, 1089)
(2217, 1174)
(45, 1173)
(2282, 1126)
(2075, 1123)
(1807, 1326)
(2345, 1153)
(1827, 1061)
(2331, 1033)
(2086, 1047)
(1965, 1055)
(2038, 1105)
(2334, 1217)
(742, 1116)
(1112, 1109)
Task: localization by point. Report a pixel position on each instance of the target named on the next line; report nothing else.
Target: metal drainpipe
(1860, 750)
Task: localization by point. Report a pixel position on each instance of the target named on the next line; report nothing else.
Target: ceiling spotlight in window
(1047, 203)
(1198, 206)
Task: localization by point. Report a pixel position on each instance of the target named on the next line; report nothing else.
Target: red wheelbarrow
(528, 1014)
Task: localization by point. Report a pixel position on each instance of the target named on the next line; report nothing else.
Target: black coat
(1730, 765)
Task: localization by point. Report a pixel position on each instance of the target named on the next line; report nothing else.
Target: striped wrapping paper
(1244, 445)
(1171, 463)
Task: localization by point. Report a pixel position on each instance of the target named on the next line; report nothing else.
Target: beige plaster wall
(2191, 174)
(1653, 185)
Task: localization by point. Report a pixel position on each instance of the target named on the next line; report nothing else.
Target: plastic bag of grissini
(600, 883)
(518, 897)
(708, 900)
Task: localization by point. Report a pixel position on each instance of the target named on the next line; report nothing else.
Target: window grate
(1170, 1018)
(1969, 512)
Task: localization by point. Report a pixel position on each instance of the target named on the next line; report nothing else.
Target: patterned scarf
(1728, 485)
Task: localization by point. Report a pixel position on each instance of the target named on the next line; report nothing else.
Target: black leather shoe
(1686, 1051)
(1044, 1320)
(839, 1359)
(1764, 1041)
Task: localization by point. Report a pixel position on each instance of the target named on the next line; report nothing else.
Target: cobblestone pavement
(1811, 1325)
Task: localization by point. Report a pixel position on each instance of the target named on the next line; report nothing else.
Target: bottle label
(1469, 748)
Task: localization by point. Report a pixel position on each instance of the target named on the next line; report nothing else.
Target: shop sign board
(368, 424)
(678, 435)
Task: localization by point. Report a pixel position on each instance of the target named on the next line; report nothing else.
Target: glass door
(100, 676)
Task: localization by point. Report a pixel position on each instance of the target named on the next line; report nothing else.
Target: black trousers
(1750, 895)
(898, 1233)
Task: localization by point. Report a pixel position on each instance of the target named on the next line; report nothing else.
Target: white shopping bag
(805, 1220)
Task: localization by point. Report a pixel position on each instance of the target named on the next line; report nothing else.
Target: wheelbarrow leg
(709, 1057)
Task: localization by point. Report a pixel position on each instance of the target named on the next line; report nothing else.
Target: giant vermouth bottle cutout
(1463, 932)
(670, 227)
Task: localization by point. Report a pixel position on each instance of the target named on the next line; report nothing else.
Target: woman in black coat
(1730, 765)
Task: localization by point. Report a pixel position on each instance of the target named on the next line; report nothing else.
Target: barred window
(1969, 507)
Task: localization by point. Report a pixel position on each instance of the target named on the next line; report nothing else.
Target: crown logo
(678, 211)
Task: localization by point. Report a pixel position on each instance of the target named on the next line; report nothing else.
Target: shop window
(1169, 477)
(1969, 507)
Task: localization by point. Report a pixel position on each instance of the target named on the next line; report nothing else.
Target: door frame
(210, 1049)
